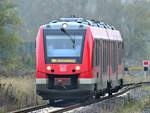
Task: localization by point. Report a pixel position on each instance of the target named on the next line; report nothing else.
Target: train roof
(99, 29)
(80, 22)
(106, 34)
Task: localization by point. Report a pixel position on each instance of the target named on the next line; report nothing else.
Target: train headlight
(77, 68)
(64, 26)
(48, 68)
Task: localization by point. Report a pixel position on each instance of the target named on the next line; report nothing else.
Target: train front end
(64, 61)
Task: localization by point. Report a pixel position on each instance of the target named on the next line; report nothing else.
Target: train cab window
(61, 46)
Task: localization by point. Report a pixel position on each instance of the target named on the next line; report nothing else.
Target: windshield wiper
(73, 40)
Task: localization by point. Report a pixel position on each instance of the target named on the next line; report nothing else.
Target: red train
(77, 58)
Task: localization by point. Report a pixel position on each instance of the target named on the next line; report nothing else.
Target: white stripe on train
(81, 80)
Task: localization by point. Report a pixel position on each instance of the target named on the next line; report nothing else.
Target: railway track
(30, 109)
(96, 100)
(125, 89)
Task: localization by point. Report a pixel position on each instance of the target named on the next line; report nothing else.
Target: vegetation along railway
(78, 59)
(126, 88)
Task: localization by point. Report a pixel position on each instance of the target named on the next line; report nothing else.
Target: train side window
(95, 53)
(96, 50)
(107, 53)
(104, 57)
(120, 52)
(111, 54)
(113, 57)
(116, 63)
(93, 57)
(101, 55)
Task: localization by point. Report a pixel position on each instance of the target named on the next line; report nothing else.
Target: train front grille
(63, 82)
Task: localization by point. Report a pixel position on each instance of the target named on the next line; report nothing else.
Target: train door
(96, 63)
(120, 60)
(108, 58)
(105, 75)
(114, 66)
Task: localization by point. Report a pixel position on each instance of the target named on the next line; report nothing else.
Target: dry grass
(131, 79)
(19, 92)
(26, 84)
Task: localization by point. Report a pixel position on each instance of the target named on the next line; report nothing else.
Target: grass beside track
(17, 93)
(136, 106)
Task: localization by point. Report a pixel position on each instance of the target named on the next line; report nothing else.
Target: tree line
(132, 18)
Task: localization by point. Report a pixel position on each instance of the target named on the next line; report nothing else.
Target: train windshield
(62, 45)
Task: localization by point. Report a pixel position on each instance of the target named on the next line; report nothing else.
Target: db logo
(63, 68)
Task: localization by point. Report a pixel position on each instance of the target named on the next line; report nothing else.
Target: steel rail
(142, 83)
(30, 109)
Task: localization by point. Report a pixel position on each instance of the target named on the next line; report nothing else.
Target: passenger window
(95, 53)
(113, 56)
(120, 52)
(104, 57)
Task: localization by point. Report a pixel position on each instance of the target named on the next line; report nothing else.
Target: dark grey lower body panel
(82, 92)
